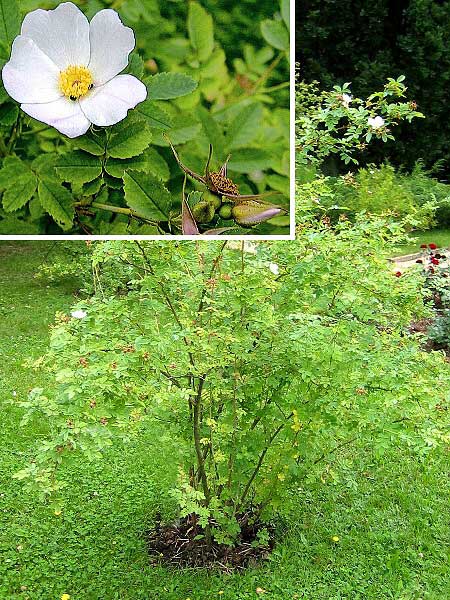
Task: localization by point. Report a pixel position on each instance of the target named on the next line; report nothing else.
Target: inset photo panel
(146, 119)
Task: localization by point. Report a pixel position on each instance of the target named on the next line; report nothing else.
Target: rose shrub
(259, 361)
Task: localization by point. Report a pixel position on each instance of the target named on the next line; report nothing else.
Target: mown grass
(441, 237)
(391, 514)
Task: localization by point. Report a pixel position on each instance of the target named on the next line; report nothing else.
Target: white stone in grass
(274, 268)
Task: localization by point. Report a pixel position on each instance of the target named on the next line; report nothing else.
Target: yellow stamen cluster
(75, 82)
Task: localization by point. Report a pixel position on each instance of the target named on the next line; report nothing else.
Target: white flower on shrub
(64, 71)
(274, 268)
(375, 122)
(78, 314)
(346, 99)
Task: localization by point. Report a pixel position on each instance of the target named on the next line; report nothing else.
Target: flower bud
(252, 213)
(213, 199)
(225, 211)
(203, 211)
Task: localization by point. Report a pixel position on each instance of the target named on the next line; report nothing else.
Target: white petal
(111, 43)
(110, 103)
(30, 76)
(64, 115)
(62, 34)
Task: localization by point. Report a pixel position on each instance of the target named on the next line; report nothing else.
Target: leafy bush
(367, 42)
(335, 123)
(439, 331)
(124, 179)
(259, 361)
(416, 200)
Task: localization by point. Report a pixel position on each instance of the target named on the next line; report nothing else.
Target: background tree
(366, 42)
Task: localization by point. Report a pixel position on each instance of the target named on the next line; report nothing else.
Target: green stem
(35, 131)
(265, 76)
(114, 209)
(259, 464)
(3, 148)
(275, 88)
(17, 130)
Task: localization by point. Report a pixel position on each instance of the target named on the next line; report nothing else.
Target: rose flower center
(75, 82)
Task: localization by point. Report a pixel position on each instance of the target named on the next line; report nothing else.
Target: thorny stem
(167, 300)
(235, 424)
(215, 264)
(198, 447)
(161, 285)
(197, 408)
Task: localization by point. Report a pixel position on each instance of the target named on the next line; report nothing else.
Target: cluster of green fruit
(246, 214)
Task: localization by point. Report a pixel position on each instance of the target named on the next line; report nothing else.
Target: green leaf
(44, 165)
(184, 129)
(23, 190)
(249, 159)
(194, 198)
(8, 114)
(169, 85)
(13, 226)
(279, 183)
(147, 196)
(117, 167)
(3, 93)
(9, 21)
(130, 140)
(94, 144)
(135, 65)
(57, 201)
(18, 181)
(285, 7)
(78, 167)
(275, 34)
(201, 31)
(35, 208)
(154, 115)
(92, 187)
(245, 126)
(212, 130)
(157, 165)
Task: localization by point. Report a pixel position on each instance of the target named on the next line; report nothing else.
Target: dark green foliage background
(236, 22)
(367, 41)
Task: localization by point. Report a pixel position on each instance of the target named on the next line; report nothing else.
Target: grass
(441, 237)
(391, 514)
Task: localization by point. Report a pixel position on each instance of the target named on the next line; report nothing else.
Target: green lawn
(441, 237)
(392, 515)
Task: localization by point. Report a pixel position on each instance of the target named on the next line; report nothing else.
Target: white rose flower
(78, 314)
(375, 122)
(274, 268)
(64, 71)
(346, 99)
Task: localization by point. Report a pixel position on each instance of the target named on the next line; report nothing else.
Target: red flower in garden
(423, 245)
(398, 273)
(434, 261)
(432, 246)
